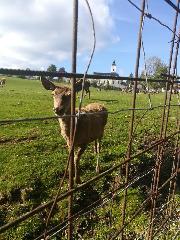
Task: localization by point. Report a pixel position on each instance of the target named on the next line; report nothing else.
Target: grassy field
(33, 156)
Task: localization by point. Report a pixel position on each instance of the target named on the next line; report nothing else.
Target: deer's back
(91, 123)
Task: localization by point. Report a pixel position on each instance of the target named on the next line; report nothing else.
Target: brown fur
(90, 124)
(78, 86)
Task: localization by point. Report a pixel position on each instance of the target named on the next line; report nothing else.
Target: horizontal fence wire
(20, 72)
(167, 218)
(82, 213)
(161, 209)
(99, 203)
(176, 235)
(9, 121)
(150, 16)
(108, 197)
(54, 234)
(85, 184)
(167, 221)
(140, 208)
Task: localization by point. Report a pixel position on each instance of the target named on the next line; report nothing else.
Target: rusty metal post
(73, 104)
(169, 68)
(163, 131)
(171, 87)
(173, 182)
(133, 114)
(83, 185)
(161, 150)
(175, 164)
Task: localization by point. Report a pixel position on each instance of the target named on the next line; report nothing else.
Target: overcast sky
(37, 33)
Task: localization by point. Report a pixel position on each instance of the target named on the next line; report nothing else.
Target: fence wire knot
(148, 15)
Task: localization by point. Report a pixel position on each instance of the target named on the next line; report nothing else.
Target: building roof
(111, 74)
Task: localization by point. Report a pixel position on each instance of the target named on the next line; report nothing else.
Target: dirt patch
(17, 140)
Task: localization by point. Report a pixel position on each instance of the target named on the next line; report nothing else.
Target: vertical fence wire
(172, 85)
(133, 115)
(172, 188)
(73, 105)
(164, 123)
(163, 131)
(145, 65)
(70, 162)
(175, 167)
(92, 53)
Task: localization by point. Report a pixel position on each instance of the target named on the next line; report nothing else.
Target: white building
(113, 67)
(111, 82)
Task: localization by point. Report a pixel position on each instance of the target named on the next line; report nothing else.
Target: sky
(37, 33)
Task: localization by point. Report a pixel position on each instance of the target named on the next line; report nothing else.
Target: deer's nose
(58, 111)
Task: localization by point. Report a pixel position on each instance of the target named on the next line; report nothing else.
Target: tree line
(53, 68)
(155, 67)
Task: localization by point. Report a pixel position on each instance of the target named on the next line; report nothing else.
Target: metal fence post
(73, 103)
(133, 112)
(164, 123)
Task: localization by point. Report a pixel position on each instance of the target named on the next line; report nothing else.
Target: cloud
(36, 33)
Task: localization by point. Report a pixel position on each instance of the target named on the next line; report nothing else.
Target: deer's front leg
(97, 150)
(80, 151)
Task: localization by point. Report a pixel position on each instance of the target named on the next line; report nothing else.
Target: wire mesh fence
(71, 227)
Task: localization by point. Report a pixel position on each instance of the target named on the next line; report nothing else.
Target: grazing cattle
(175, 91)
(78, 86)
(99, 86)
(90, 124)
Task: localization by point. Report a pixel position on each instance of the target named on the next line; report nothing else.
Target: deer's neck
(65, 124)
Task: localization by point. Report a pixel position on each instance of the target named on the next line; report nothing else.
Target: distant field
(33, 154)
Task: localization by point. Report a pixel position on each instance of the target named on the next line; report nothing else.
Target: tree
(154, 68)
(62, 70)
(52, 68)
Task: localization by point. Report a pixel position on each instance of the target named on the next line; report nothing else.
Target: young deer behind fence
(90, 124)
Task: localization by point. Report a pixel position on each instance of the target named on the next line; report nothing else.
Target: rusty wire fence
(166, 212)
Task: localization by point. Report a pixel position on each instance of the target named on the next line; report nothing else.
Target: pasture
(33, 156)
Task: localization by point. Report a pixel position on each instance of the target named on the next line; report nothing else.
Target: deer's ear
(48, 85)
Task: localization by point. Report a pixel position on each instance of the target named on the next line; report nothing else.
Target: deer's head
(61, 96)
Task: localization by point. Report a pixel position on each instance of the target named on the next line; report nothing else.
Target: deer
(90, 123)
(2, 82)
(78, 86)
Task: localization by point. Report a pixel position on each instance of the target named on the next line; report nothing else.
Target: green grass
(33, 154)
